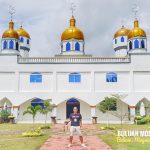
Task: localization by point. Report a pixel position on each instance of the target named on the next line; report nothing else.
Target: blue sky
(45, 20)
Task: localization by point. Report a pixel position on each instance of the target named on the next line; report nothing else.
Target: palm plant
(48, 107)
(32, 111)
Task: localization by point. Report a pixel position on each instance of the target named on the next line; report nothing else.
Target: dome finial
(135, 10)
(72, 8)
(11, 11)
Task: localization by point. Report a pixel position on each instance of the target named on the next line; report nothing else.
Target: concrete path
(60, 140)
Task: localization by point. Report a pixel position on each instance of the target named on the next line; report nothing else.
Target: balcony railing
(72, 60)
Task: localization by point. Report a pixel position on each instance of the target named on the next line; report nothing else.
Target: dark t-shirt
(75, 119)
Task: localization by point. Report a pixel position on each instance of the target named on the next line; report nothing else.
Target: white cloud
(45, 20)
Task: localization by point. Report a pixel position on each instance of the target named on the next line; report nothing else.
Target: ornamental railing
(72, 60)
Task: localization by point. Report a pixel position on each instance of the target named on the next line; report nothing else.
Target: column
(54, 115)
(93, 114)
(15, 112)
(132, 112)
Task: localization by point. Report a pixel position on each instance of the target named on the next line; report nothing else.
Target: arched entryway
(73, 102)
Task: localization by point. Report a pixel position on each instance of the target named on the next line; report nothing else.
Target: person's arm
(80, 121)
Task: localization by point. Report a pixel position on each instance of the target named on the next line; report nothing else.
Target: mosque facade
(74, 78)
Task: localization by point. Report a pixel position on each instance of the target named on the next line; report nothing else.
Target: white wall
(142, 81)
(26, 86)
(7, 81)
(122, 85)
(63, 84)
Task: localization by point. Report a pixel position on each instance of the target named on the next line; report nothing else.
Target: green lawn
(11, 138)
(111, 139)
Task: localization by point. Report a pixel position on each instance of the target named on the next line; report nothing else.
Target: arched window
(5, 45)
(17, 46)
(68, 46)
(115, 41)
(37, 102)
(28, 41)
(111, 77)
(74, 77)
(136, 44)
(21, 39)
(122, 39)
(11, 44)
(77, 46)
(142, 44)
(36, 77)
(130, 45)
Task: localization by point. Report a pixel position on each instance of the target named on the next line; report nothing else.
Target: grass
(128, 144)
(11, 138)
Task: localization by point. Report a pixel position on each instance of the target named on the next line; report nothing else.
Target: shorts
(75, 130)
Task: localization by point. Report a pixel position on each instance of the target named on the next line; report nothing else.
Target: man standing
(76, 124)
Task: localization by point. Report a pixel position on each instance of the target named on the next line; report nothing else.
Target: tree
(32, 111)
(106, 105)
(120, 114)
(48, 107)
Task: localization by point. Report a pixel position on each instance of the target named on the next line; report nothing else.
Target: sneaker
(83, 145)
(69, 145)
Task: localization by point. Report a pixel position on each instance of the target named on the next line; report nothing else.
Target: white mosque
(73, 78)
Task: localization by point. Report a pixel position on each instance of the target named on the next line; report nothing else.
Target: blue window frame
(21, 39)
(111, 77)
(28, 41)
(77, 46)
(68, 46)
(37, 102)
(142, 44)
(130, 45)
(136, 44)
(5, 45)
(36, 77)
(115, 41)
(122, 39)
(11, 44)
(74, 78)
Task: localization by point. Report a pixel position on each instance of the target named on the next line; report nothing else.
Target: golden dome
(23, 33)
(136, 31)
(122, 32)
(10, 33)
(72, 32)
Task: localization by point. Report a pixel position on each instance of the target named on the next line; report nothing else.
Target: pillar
(132, 112)
(15, 112)
(93, 114)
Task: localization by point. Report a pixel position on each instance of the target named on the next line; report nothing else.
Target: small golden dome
(122, 32)
(72, 32)
(23, 33)
(136, 31)
(10, 33)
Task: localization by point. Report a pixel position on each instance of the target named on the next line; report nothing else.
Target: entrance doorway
(69, 106)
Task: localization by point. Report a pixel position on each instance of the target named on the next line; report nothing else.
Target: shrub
(34, 133)
(44, 127)
(108, 128)
(4, 115)
(147, 119)
(138, 117)
(142, 121)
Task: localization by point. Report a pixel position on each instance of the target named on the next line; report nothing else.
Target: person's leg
(81, 139)
(71, 136)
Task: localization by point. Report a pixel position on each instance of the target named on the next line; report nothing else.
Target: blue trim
(136, 44)
(111, 77)
(21, 39)
(37, 102)
(77, 46)
(122, 39)
(5, 45)
(142, 44)
(68, 46)
(11, 44)
(74, 78)
(28, 41)
(36, 77)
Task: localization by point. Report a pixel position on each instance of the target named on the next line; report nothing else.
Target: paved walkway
(60, 139)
